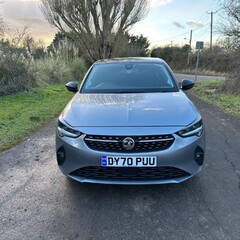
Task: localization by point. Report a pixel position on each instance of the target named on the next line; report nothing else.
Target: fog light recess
(199, 156)
(61, 155)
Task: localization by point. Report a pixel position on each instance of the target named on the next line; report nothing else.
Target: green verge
(210, 92)
(24, 113)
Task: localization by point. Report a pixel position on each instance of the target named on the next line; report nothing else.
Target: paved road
(38, 202)
(199, 78)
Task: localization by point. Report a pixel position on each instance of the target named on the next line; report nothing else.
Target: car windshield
(129, 77)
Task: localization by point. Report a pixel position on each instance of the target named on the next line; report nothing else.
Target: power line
(203, 19)
(203, 31)
(170, 38)
(177, 36)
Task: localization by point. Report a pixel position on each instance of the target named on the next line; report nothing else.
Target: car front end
(127, 131)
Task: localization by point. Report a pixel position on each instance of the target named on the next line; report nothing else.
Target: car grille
(142, 143)
(130, 173)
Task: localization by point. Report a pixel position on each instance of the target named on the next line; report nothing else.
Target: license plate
(122, 161)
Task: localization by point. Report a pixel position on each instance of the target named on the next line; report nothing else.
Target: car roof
(131, 59)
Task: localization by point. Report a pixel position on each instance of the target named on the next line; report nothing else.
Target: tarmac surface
(199, 77)
(38, 202)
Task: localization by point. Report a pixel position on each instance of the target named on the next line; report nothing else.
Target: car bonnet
(130, 110)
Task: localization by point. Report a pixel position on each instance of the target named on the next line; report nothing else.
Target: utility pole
(190, 48)
(199, 46)
(211, 32)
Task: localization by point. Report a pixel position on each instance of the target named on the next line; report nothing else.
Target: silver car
(130, 123)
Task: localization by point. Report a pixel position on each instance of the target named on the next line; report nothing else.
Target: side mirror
(72, 86)
(186, 84)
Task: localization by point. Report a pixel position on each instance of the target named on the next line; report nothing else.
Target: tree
(175, 56)
(97, 25)
(129, 46)
(33, 49)
(140, 45)
(132, 46)
(1, 24)
(230, 26)
(64, 47)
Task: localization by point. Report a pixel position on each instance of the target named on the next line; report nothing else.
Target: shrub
(17, 74)
(78, 69)
(13, 75)
(51, 71)
(232, 83)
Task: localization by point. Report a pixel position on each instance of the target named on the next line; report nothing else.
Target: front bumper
(174, 165)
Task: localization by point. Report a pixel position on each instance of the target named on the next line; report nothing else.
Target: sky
(168, 22)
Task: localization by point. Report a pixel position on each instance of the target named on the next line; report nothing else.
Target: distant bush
(217, 59)
(51, 71)
(176, 56)
(78, 69)
(18, 74)
(14, 75)
(232, 83)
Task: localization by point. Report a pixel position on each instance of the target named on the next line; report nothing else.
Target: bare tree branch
(230, 26)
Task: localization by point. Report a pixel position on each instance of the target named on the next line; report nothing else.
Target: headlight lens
(195, 129)
(66, 131)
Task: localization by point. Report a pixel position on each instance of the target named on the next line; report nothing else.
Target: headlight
(66, 131)
(196, 129)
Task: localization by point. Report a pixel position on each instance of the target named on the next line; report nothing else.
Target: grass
(23, 113)
(210, 91)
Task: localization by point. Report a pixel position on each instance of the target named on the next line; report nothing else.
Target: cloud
(33, 21)
(16, 9)
(178, 25)
(156, 3)
(18, 14)
(193, 23)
